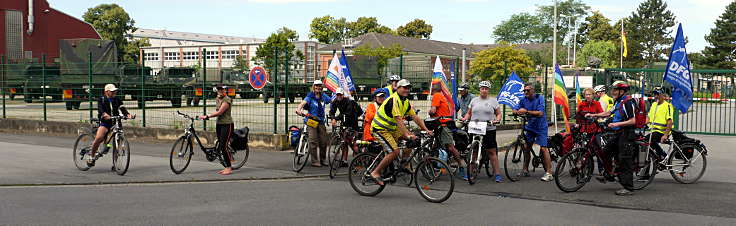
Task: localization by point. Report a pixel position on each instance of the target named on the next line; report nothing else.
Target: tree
(520, 28)
(596, 28)
(492, 64)
(328, 30)
(722, 39)
(417, 28)
(648, 36)
(383, 54)
(113, 23)
(283, 39)
(364, 25)
(241, 64)
(604, 51)
(569, 8)
(543, 56)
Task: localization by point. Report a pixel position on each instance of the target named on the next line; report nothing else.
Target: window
(151, 56)
(191, 56)
(229, 54)
(211, 55)
(171, 56)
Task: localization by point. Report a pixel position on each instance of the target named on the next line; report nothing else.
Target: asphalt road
(39, 185)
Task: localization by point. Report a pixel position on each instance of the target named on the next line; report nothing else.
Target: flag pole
(554, 65)
(622, 44)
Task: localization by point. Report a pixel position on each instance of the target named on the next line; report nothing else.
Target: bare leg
(527, 157)
(494, 161)
(383, 164)
(99, 138)
(456, 154)
(547, 159)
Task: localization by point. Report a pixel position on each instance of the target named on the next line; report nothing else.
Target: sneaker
(547, 177)
(624, 192)
(499, 179)
(461, 172)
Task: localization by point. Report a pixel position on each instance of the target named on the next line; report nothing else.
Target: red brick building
(30, 28)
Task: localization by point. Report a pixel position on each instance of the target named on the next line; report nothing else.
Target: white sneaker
(547, 177)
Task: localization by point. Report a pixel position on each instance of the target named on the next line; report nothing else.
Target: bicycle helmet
(621, 85)
(486, 84)
(393, 78)
(600, 88)
(380, 91)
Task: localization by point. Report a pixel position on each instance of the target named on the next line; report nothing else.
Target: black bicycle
(183, 149)
(114, 139)
(341, 141)
(517, 156)
(477, 157)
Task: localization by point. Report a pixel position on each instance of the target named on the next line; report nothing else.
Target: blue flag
(453, 79)
(346, 71)
(512, 91)
(678, 74)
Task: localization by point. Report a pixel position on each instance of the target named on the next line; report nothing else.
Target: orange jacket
(370, 113)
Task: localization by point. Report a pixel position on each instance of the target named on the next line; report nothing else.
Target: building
(32, 28)
(159, 38)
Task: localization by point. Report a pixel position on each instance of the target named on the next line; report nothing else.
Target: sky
(462, 21)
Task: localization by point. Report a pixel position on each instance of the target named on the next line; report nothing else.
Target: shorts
(387, 139)
(489, 140)
(446, 136)
(536, 138)
(106, 125)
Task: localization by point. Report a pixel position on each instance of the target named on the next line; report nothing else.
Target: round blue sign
(258, 77)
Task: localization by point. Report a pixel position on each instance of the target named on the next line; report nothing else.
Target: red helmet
(620, 85)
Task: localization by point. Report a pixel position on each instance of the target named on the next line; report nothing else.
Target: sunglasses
(527, 90)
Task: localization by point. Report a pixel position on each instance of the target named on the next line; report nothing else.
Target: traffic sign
(258, 77)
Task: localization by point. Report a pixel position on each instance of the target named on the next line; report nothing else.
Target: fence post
(545, 90)
(286, 90)
(503, 111)
(4, 83)
(89, 82)
(143, 85)
(204, 85)
(43, 84)
(676, 120)
(401, 66)
(275, 89)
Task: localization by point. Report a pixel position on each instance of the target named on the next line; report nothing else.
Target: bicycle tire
(640, 184)
(487, 165)
(335, 154)
(300, 161)
(513, 158)
(473, 169)
(357, 170)
(438, 170)
(120, 155)
(581, 171)
(698, 154)
(240, 157)
(181, 151)
(79, 145)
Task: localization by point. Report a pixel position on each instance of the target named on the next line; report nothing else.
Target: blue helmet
(380, 91)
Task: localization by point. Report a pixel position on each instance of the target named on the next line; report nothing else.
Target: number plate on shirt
(478, 128)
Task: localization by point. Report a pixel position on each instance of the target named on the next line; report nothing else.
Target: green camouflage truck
(35, 80)
(79, 57)
(196, 86)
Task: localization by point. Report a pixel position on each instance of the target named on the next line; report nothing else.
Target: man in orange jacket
(370, 112)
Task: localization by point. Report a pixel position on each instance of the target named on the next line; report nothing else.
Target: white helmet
(394, 78)
(486, 84)
(600, 88)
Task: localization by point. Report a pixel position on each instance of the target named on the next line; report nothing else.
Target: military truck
(79, 57)
(14, 74)
(194, 88)
(33, 86)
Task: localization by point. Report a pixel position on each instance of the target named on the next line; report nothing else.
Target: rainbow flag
(441, 79)
(578, 94)
(560, 96)
(335, 77)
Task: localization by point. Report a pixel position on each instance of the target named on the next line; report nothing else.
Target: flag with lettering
(678, 74)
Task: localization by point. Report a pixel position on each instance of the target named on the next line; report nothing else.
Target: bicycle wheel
(643, 176)
(359, 175)
(687, 170)
(240, 157)
(120, 154)
(574, 170)
(300, 160)
(486, 163)
(334, 154)
(513, 161)
(82, 149)
(181, 154)
(473, 168)
(436, 182)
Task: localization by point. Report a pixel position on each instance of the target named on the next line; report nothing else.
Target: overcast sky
(465, 21)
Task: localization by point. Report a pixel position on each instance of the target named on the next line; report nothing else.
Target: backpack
(640, 111)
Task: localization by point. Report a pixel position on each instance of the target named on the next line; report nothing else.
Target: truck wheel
(277, 100)
(265, 98)
(176, 102)
(195, 101)
(291, 99)
(12, 96)
(141, 101)
(69, 105)
(55, 98)
(77, 104)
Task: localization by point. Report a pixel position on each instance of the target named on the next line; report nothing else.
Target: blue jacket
(316, 107)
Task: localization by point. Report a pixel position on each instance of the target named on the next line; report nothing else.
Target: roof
(188, 36)
(417, 45)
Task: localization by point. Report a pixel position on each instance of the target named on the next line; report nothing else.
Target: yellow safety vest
(606, 102)
(383, 121)
(658, 116)
(390, 90)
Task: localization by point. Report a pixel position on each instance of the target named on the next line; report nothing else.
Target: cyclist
(370, 113)
(440, 109)
(389, 125)
(623, 124)
(393, 84)
(589, 105)
(603, 98)
(225, 126)
(108, 105)
(349, 113)
(464, 99)
(485, 109)
(660, 119)
(315, 103)
(532, 105)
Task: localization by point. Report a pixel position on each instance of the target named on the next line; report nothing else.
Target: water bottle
(443, 155)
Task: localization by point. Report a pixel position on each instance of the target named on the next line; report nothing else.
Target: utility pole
(554, 62)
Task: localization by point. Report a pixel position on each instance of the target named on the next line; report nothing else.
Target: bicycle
(431, 171)
(337, 150)
(182, 150)
(682, 154)
(516, 155)
(581, 163)
(120, 146)
(477, 157)
(301, 153)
